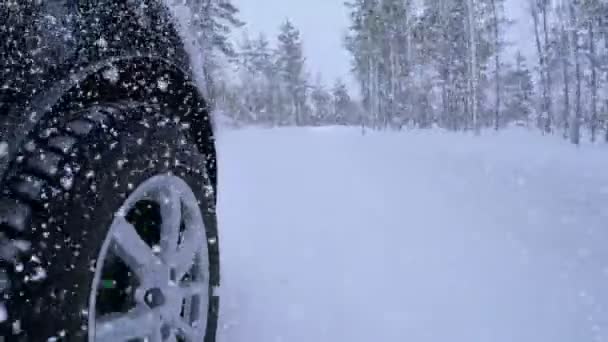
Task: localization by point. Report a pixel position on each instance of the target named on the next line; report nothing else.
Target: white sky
(323, 23)
(521, 34)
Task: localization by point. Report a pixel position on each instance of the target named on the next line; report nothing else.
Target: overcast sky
(323, 23)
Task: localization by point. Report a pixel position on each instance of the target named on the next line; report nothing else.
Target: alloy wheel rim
(167, 282)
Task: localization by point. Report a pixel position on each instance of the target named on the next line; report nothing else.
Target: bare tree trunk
(605, 36)
(549, 121)
(576, 122)
(377, 95)
(372, 90)
(497, 65)
(594, 117)
(473, 64)
(445, 73)
(393, 75)
(566, 115)
(369, 90)
(604, 28)
(541, 58)
(565, 47)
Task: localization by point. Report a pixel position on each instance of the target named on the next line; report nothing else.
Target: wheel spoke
(193, 289)
(184, 258)
(171, 213)
(156, 335)
(138, 323)
(131, 248)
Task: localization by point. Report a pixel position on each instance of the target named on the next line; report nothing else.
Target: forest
(420, 64)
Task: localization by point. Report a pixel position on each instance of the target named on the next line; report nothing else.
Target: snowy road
(330, 236)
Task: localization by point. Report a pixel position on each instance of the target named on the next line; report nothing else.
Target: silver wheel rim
(171, 299)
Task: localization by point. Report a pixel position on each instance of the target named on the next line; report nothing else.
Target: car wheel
(108, 231)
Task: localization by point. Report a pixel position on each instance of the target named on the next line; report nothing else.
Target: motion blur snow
(329, 235)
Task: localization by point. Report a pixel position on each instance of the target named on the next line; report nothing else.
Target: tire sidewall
(109, 173)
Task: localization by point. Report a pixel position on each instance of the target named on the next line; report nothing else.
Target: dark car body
(59, 54)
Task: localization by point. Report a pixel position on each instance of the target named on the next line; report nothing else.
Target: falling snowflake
(111, 74)
(163, 84)
(3, 149)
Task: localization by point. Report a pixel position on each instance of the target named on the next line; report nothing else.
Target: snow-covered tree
(379, 41)
(518, 92)
(212, 22)
(291, 66)
(342, 104)
(321, 103)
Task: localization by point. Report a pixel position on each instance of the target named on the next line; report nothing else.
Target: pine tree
(291, 66)
(446, 33)
(342, 104)
(266, 67)
(518, 92)
(321, 105)
(593, 14)
(211, 24)
(379, 41)
(493, 26)
(361, 42)
(539, 10)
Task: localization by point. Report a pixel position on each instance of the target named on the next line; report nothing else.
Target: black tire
(59, 199)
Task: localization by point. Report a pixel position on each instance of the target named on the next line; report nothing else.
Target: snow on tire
(64, 199)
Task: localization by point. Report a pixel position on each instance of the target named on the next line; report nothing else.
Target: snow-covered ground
(331, 236)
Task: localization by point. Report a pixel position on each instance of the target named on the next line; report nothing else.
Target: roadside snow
(328, 235)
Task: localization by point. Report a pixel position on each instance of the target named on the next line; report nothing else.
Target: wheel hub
(154, 298)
